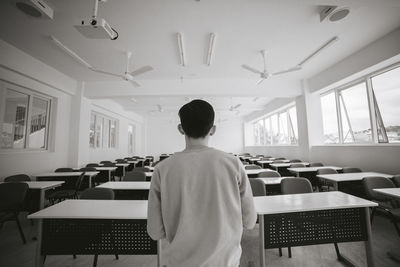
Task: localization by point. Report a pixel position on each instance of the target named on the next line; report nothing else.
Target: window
(386, 89)
(277, 129)
(24, 119)
(102, 131)
(366, 111)
(131, 139)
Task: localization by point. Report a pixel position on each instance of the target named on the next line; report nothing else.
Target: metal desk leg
(41, 199)
(39, 258)
(261, 245)
(90, 181)
(159, 253)
(335, 186)
(368, 243)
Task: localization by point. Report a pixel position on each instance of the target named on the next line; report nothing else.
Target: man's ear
(180, 129)
(213, 129)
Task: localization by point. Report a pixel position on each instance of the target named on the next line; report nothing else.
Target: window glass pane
(38, 133)
(329, 118)
(14, 120)
(293, 132)
(283, 128)
(274, 129)
(261, 131)
(113, 135)
(268, 131)
(91, 130)
(355, 114)
(386, 87)
(99, 131)
(131, 139)
(106, 133)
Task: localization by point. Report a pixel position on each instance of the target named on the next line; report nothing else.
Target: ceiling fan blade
(141, 70)
(288, 70)
(251, 69)
(134, 83)
(263, 52)
(238, 105)
(260, 81)
(106, 72)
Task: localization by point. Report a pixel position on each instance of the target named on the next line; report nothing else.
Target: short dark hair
(197, 118)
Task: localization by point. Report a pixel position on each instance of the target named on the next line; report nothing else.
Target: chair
(87, 169)
(296, 185)
(297, 165)
(316, 164)
(322, 184)
(139, 164)
(105, 162)
(396, 180)
(280, 158)
(351, 170)
(121, 161)
(12, 197)
(147, 162)
(385, 203)
(259, 156)
(98, 193)
(252, 167)
(294, 160)
(269, 174)
(17, 178)
(64, 170)
(118, 172)
(67, 193)
(134, 176)
(257, 187)
(92, 165)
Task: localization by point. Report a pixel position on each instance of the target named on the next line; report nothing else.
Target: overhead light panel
(319, 50)
(180, 49)
(210, 49)
(70, 52)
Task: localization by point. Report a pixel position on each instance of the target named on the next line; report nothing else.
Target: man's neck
(195, 143)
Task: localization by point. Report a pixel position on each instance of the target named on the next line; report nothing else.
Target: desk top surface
(354, 176)
(272, 180)
(313, 169)
(257, 171)
(65, 174)
(126, 185)
(287, 164)
(94, 209)
(308, 202)
(42, 184)
(392, 192)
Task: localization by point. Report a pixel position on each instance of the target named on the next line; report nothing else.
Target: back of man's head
(197, 118)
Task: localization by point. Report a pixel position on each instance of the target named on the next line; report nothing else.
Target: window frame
(103, 144)
(4, 86)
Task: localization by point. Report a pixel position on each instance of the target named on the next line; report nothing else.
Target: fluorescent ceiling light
(319, 50)
(210, 48)
(70, 52)
(180, 48)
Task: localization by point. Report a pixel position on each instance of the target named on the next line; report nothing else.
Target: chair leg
(95, 260)
(280, 252)
(289, 252)
(20, 228)
(74, 256)
(116, 257)
(372, 214)
(337, 250)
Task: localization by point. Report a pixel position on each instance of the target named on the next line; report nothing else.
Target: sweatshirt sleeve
(249, 216)
(155, 226)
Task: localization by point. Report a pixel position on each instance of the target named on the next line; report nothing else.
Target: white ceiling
(288, 29)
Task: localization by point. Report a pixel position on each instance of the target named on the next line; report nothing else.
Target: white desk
(129, 190)
(286, 164)
(97, 226)
(255, 172)
(391, 192)
(66, 175)
(298, 171)
(314, 218)
(337, 178)
(273, 180)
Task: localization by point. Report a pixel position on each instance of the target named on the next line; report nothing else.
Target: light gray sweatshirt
(199, 201)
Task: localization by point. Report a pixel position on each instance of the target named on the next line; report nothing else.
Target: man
(200, 199)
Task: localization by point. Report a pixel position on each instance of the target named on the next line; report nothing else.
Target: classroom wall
(20, 68)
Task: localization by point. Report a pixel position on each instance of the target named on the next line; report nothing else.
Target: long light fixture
(180, 48)
(210, 49)
(70, 52)
(324, 46)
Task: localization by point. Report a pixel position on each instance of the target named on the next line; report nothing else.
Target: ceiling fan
(128, 75)
(265, 74)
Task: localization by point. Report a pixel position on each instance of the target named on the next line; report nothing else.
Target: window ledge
(359, 145)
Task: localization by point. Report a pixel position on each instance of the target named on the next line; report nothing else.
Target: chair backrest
(141, 169)
(375, 182)
(92, 165)
(280, 158)
(294, 160)
(79, 181)
(252, 167)
(134, 176)
(87, 169)
(259, 156)
(396, 180)
(128, 158)
(326, 171)
(17, 178)
(351, 169)
(316, 164)
(269, 174)
(278, 161)
(105, 161)
(150, 157)
(297, 165)
(12, 196)
(109, 164)
(64, 170)
(296, 185)
(98, 193)
(258, 187)
(121, 160)
(139, 164)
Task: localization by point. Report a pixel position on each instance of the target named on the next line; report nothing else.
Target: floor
(13, 253)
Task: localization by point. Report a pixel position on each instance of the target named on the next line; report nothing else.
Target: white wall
(19, 68)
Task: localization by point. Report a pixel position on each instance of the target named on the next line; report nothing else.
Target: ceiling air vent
(333, 13)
